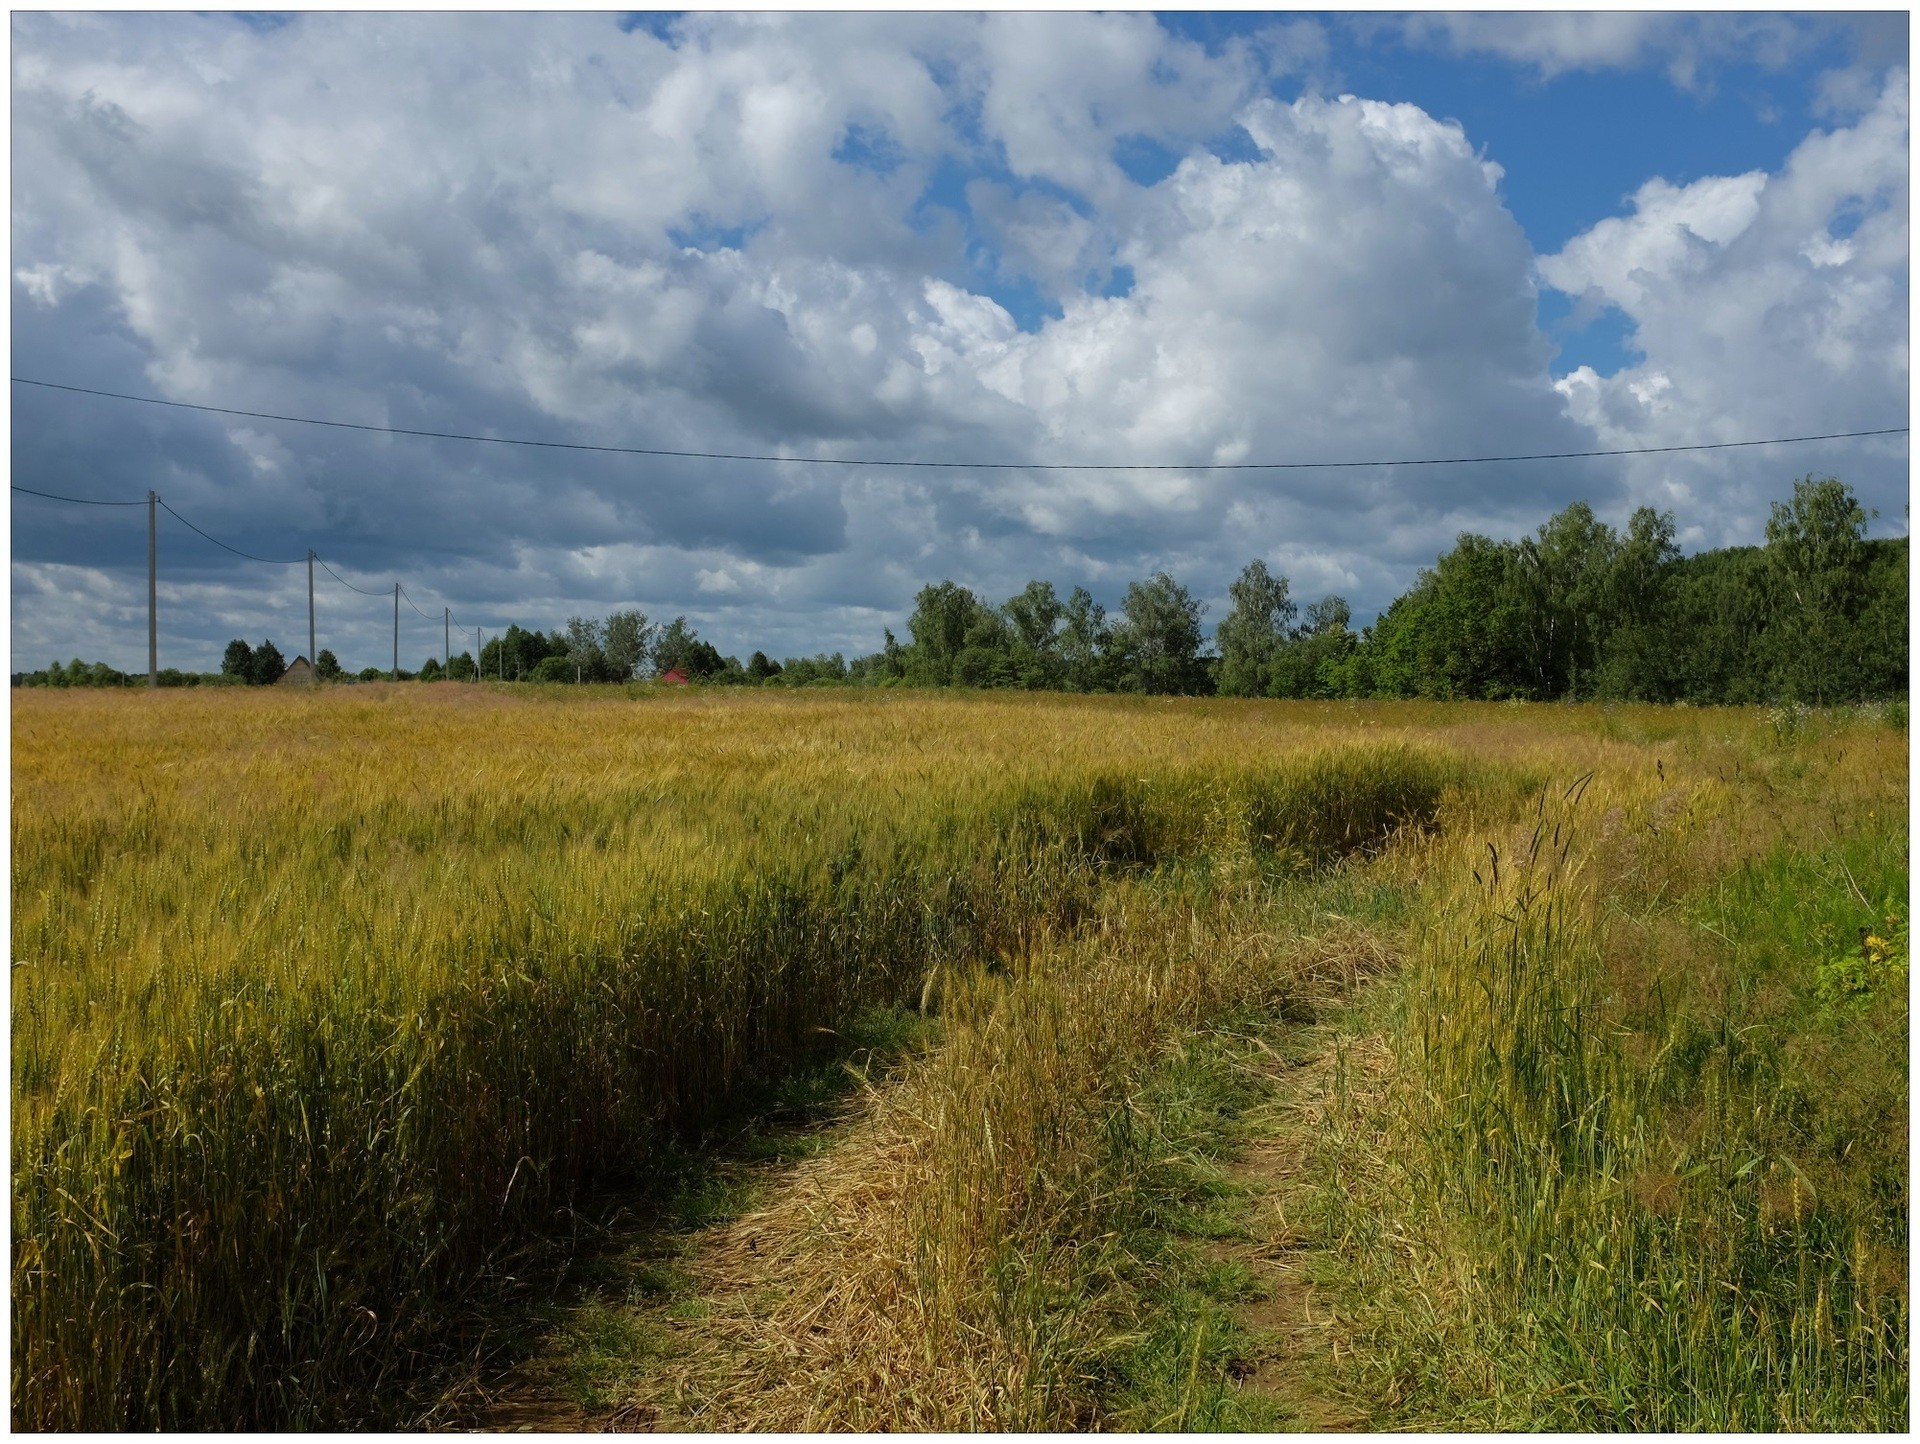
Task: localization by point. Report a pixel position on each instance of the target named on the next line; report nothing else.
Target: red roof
(673, 676)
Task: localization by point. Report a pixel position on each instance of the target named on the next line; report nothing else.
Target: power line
(962, 465)
(270, 561)
(81, 500)
(343, 581)
(154, 499)
(409, 600)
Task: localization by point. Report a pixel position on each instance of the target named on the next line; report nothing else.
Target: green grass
(1187, 1344)
(1174, 1301)
(1635, 1170)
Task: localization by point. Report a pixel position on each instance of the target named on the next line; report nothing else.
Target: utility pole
(446, 641)
(476, 654)
(153, 591)
(313, 647)
(396, 632)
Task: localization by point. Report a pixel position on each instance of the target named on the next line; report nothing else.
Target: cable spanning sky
(1018, 238)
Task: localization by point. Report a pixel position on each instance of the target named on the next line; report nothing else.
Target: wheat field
(323, 1002)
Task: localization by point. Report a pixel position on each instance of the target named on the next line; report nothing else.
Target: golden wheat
(321, 999)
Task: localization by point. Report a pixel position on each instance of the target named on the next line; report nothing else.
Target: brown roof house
(674, 677)
(299, 673)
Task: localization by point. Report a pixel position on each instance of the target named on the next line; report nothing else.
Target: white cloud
(754, 236)
(1763, 305)
(1686, 46)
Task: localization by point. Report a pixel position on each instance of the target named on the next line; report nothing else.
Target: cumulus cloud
(1760, 305)
(830, 236)
(1687, 47)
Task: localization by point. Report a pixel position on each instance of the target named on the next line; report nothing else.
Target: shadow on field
(550, 1339)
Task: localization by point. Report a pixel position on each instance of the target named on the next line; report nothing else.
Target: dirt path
(615, 1332)
(651, 1328)
(1288, 1317)
(631, 1331)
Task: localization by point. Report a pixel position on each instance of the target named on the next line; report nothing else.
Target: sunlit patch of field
(322, 1001)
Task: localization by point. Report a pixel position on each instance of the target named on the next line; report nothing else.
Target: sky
(1122, 239)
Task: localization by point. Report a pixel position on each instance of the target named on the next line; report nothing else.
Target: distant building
(299, 673)
(674, 677)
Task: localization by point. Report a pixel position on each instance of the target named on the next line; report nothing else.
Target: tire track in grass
(1289, 1324)
(1241, 1334)
(681, 1319)
(619, 1310)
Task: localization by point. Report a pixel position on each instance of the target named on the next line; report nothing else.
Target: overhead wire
(344, 582)
(270, 561)
(80, 500)
(840, 461)
(957, 465)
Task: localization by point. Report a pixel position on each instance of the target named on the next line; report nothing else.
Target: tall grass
(1633, 1171)
(1635, 1159)
(322, 1002)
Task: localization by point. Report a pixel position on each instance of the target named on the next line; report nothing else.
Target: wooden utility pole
(153, 590)
(446, 641)
(313, 654)
(396, 632)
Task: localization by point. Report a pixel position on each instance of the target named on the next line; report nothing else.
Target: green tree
(943, 616)
(703, 660)
(626, 640)
(431, 670)
(513, 655)
(327, 666)
(761, 667)
(266, 665)
(583, 648)
(1817, 567)
(986, 657)
(1883, 620)
(238, 661)
(1035, 616)
(1086, 644)
(1313, 662)
(1250, 636)
(814, 671)
(1637, 657)
(1159, 638)
(1459, 632)
(1561, 575)
(679, 646)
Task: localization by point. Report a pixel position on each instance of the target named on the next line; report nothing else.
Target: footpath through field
(679, 1315)
(1512, 1110)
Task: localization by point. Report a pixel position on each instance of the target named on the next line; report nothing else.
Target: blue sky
(1110, 238)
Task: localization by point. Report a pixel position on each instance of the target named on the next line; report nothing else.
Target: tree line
(1577, 610)
(1817, 614)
